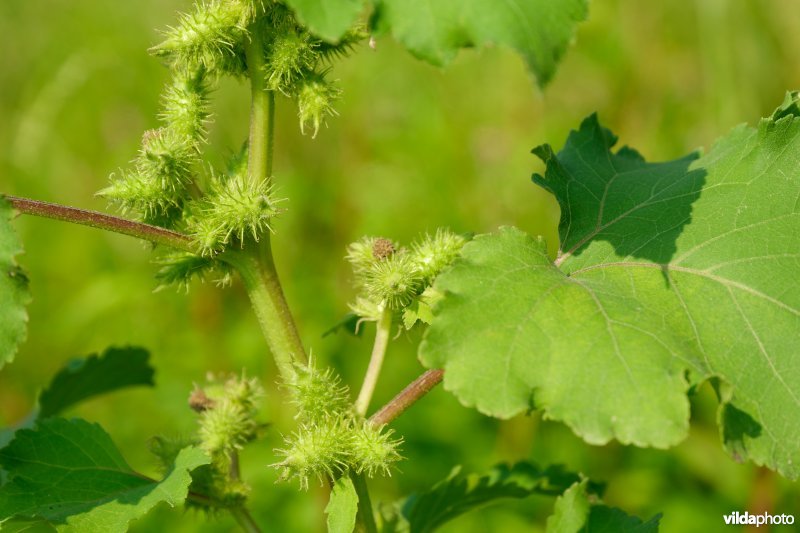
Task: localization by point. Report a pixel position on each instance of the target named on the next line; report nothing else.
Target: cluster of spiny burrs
(168, 183)
(331, 440)
(227, 410)
(400, 279)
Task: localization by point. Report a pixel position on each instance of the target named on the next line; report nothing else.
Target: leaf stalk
(95, 219)
(376, 361)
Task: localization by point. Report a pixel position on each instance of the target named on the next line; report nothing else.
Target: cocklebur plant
(643, 248)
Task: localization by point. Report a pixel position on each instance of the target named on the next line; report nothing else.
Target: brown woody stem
(408, 396)
(98, 220)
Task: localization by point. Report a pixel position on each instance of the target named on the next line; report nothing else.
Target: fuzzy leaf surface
(329, 19)
(14, 293)
(81, 379)
(574, 513)
(668, 274)
(435, 30)
(461, 493)
(71, 474)
(342, 507)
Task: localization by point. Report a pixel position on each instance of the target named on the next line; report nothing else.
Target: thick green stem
(375, 362)
(259, 159)
(243, 517)
(270, 130)
(264, 288)
(256, 265)
(365, 515)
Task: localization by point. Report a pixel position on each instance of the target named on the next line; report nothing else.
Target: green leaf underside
(71, 474)
(329, 19)
(435, 30)
(460, 493)
(81, 379)
(668, 274)
(14, 294)
(574, 513)
(342, 507)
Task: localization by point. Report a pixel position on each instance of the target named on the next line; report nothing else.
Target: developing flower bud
(315, 100)
(228, 421)
(185, 106)
(435, 253)
(318, 395)
(289, 55)
(234, 210)
(373, 450)
(210, 37)
(394, 281)
(315, 451)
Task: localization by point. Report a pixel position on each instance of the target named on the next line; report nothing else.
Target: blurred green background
(414, 148)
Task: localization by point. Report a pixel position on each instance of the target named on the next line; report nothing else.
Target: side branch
(98, 220)
(408, 396)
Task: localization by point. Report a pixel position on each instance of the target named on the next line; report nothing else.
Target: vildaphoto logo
(745, 518)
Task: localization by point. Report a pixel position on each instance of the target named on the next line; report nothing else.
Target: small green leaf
(71, 474)
(575, 513)
(83, 378)
(14, 293)
(421, 309)
(668, 274)
(570, 511)
(460, 493)
(329, 19)
(435, 30)
(342, 507)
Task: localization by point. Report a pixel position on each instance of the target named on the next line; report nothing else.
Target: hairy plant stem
(256, 264)
(365, 515)
(270, 131)
(375, 362)
(98, 220)
(243, 517)
(266, 295)
(261, 140)
(407, 397)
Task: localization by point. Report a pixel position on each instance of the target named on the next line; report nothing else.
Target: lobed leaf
(84, 378)
(70, 473)
(461, 493)
(14, 293)
(435, 30)
(668, 274)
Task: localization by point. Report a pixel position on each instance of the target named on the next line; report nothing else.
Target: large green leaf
(329, 19)
(461, 493)
(435, 30)
(83, 378)
(668, 274)
(14, 294)
(71, 474)
(574, 513)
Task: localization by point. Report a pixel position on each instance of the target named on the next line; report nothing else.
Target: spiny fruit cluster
(227, 409)
(331, 440)
(397, 278)
(167, 184)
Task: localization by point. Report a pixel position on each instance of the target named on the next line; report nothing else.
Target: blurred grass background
(415, 148)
